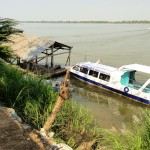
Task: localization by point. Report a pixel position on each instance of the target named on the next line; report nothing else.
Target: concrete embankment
(12, 135)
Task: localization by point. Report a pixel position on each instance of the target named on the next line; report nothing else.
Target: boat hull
(108, 88)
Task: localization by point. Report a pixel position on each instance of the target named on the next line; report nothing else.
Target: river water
(116, 45)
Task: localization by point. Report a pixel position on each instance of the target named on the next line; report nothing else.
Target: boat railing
(146, 87)
(135, 84)
(141, 86)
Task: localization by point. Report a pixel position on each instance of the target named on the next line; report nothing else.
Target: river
(116, 45)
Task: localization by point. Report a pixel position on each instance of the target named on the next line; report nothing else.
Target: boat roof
(98, 67)
(136, 67)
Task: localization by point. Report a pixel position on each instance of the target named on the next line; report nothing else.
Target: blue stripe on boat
(112, 89)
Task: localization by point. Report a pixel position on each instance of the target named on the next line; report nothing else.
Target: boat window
(83, 70)
(77, 68)
(104, 77)
(93, 73)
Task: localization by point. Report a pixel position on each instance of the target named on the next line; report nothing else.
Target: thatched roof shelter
(32, 50)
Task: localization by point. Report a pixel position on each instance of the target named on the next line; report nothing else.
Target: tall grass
(33, 99)
(76, 124)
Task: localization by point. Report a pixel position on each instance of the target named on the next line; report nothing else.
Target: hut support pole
(52, 56)
(46, 59)
(28, 65)
(36, 60)
(63, 95)
(69, 57)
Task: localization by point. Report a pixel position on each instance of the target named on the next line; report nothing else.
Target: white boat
(132, 81)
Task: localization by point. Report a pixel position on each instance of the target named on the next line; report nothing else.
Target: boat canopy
(136, 67)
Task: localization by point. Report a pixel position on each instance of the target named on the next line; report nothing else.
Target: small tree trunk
(63, 95)
(52, 116)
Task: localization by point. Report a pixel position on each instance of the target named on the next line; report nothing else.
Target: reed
(136, 137)
(145, 124)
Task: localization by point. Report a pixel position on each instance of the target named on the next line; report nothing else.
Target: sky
(75, 10)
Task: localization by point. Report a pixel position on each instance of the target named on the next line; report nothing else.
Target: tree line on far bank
(113, 22)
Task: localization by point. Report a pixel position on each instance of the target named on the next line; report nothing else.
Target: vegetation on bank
(136, 137)
(111, 22)
(6, 29)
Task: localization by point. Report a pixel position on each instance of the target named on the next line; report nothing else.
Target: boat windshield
(135, 80)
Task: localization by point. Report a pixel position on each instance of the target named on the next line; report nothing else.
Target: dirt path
(12, 136)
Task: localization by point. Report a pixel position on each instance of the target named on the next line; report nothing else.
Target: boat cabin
(136, 77)
(133, 76)
(97, 71)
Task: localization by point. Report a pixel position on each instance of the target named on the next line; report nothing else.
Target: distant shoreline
(98, 22)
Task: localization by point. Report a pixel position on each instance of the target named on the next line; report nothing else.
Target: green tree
(6, 29)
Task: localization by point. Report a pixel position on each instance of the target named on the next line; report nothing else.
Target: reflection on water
(109, 109)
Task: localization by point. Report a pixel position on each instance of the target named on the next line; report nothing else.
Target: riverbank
(16, 134)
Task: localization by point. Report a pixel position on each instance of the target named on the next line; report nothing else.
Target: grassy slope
(33, 100)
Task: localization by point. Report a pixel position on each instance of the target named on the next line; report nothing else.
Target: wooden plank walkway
(12, 136)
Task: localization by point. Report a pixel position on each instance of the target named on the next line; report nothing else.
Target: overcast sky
(75, 10)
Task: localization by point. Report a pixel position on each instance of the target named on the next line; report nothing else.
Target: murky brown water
(116, 44)
(109, 109)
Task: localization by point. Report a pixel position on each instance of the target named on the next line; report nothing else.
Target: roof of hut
(27, 47)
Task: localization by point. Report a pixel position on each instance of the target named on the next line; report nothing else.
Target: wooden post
(36, 60)
(28, 65)
(52, 56)
(63, 95)
(69, 57)
(46, 59)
